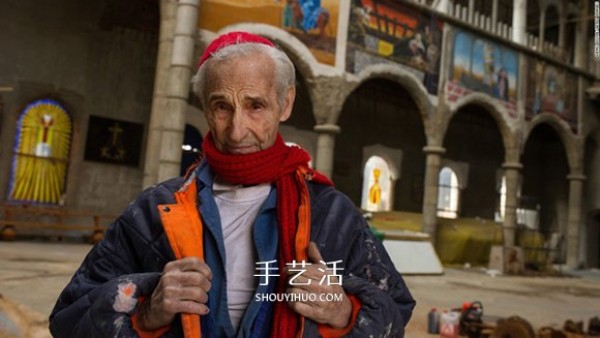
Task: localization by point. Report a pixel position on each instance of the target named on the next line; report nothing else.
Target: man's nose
(237, 129)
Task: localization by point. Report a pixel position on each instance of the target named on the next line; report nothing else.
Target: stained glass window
(41, 153)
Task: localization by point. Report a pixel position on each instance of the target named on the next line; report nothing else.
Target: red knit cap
(233, 38)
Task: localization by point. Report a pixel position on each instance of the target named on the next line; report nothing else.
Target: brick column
(325, 148)
(574, 219)
(511, 174)
(430, 195)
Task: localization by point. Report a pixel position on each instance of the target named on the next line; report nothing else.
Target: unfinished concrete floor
(34, 273)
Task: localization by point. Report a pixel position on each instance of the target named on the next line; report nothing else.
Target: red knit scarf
(288, 168)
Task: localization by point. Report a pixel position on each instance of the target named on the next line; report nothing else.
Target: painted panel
(114, 141)
(385, 31)
(313, 22)
(41, 153)
(551, 90)
(479, 65)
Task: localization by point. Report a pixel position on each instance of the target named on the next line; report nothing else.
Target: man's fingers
(195, 264)
(189, 264)
(188, 306)
(313, 253)
(195, 279)
(307, 308)
(186, 279)
(195, 294)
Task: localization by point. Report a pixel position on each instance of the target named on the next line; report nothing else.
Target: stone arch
(563, 130)
(496, 111)
(476, 118)
(382, 111)
(547, 157)
(533, 20)
(553, 13)
(408, 81)
(545, 6)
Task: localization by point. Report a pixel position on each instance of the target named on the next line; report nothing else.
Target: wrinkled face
(241, 103)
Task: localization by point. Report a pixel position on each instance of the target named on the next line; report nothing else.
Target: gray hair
(285, 74)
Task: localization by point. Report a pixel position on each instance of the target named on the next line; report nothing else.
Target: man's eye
(221, 106)
(257, 106)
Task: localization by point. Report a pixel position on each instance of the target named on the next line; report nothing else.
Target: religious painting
(313, 22)
(551, 90)
(41, 153)
(376, 185)
(389, 32)
(479, 65)
(114, 141)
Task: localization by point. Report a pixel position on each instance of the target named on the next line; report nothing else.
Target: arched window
(447, 206)
(41, 153)
(376, 191)
(552, 25)
(192, 143)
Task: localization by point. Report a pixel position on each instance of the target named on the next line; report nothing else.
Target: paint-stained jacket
(102, 296)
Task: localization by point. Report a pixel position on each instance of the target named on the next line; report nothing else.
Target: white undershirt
(238, 207)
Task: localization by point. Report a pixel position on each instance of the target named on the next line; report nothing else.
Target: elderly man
(253, 243)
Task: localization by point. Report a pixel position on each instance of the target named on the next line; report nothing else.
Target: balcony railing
(501, 29)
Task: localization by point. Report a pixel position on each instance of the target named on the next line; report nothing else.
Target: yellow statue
(375, 190)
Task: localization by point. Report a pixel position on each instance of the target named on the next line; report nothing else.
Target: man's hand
(334, 313)
(183, 287)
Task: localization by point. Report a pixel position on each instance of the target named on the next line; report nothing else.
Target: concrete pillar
(519, 21)
(494, 14)
(430, 195)
(542, 29)
(581, 45)
(169, 123)
(562, 31)
(161, 83)
(471, 11)
(325, 147)
(574, 219)
(442, 6)
(511, 175)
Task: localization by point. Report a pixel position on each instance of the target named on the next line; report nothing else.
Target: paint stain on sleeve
(124, 300)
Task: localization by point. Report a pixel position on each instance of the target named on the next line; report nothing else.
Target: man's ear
(288, 104)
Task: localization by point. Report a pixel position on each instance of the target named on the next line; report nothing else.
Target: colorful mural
(313, 22)
(551, 90)
(41, 153)
(478, 65)
(384, 31)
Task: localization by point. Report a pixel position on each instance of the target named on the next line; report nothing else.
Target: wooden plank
(53, 226)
